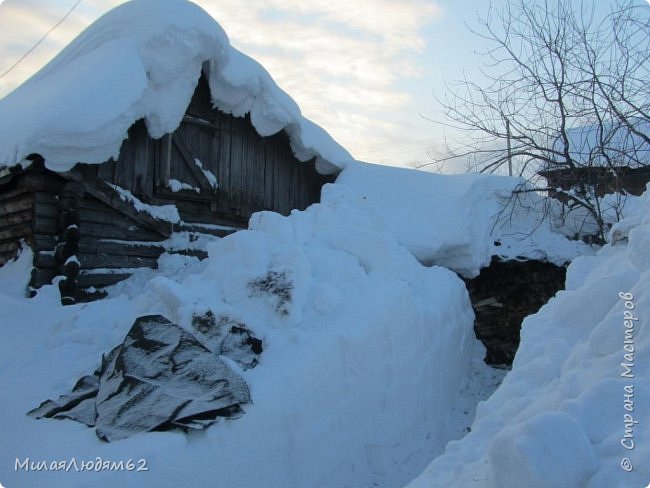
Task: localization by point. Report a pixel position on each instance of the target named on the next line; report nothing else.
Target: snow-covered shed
(606, 158)
(148, 123)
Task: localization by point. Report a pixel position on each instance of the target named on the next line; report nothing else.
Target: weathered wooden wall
(107, 245)
(79, 227)
(103, 239)
(28, 213)
(253, 172)
(16, 210)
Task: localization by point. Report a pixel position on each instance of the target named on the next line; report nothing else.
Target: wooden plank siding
(254, 173)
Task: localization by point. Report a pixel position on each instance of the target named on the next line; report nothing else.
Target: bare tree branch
(565, 90)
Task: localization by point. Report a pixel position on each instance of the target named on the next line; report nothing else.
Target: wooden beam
(42, 277)
(16, 231)
(100, 246)
(211, 230)
(9, 247)
(85, 296)
(203, 181)
(68, 289)
(108, 216)
(100, 280)
(32, 181)
(167, 159)
(45, 242)
(46, 209)
(46, 225)
(15, 205)
(44, 260)
(108, 231)
(93, 261)
(194, 120)
(103, 192)
(15, 218)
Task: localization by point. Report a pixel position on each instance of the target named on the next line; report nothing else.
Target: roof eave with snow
(143, 60)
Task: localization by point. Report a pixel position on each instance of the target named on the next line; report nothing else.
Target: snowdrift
(143, 59)
(365, 352)
(461, 221)
(573, 410)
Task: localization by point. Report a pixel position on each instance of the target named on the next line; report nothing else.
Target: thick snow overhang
(460, 221)
(143, 59)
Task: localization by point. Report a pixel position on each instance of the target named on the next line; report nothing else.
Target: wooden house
(215, 169)
(93, 224)
(607, 158)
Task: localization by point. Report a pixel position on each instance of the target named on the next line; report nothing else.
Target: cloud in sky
(345, 63)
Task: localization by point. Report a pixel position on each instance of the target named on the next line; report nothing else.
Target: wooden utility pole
(509, 148)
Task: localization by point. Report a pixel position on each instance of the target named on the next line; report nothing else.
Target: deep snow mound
(461, 221)
(572, 412)
(365, 354)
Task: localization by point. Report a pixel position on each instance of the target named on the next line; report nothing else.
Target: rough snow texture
(143, 60)
(365, 353)
(567, 413)
(460, 221)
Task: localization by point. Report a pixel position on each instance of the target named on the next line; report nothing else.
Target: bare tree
(561, 90)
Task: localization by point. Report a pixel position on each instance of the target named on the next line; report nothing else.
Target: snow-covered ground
(574, 409)
(359, 383)
(370, 365)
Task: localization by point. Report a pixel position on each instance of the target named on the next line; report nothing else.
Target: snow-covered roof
(143, 59)
(592, 145)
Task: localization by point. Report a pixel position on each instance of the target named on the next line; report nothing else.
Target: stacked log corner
(28, 218)
(68, 246)
(16, 208)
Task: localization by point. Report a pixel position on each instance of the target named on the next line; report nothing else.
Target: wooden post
(167, 160)
(509, 148)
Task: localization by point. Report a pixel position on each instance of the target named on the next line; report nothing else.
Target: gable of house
(184, 165)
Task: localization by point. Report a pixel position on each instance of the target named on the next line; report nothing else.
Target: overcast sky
(365, 70)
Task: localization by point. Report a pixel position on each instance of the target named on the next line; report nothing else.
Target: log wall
(107, 244)
(83, 232)
(15, 223)
(99, 245)
(28, 213)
